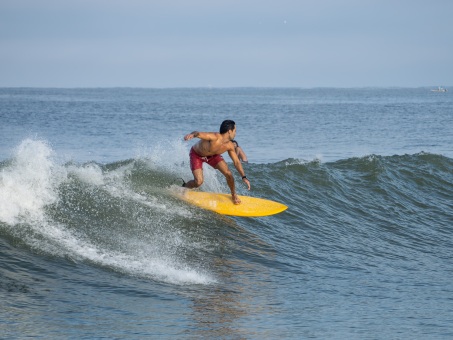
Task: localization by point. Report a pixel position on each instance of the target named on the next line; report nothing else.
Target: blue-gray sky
(224, 43)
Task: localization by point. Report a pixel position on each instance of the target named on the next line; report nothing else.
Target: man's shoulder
(212, 135)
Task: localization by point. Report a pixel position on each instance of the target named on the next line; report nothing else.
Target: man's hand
(247, 182)
(191, 135)
(188, 137)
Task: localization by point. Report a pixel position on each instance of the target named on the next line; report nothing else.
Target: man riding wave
(209, 150)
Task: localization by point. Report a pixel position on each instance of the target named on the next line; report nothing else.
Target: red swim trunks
(196, 161)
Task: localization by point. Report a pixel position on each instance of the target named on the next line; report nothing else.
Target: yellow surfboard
(222, 204)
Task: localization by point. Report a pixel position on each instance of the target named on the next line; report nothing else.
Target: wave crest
(29, 182)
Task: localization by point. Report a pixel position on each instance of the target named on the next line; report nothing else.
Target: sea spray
(92, 213)
(29, 182)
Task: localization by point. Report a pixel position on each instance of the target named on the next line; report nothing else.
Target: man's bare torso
(206, 148)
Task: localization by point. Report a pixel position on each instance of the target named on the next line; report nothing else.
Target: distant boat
(439, 89)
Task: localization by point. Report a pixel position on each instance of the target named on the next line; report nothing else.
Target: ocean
(94, 243)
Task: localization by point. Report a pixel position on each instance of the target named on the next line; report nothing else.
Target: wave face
(120, 216)
(365, 225)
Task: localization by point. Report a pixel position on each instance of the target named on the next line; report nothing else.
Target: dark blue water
(95, 244)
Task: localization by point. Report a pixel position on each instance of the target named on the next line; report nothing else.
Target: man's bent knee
(228, 174)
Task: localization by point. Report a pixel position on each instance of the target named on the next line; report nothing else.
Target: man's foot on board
(235, 199)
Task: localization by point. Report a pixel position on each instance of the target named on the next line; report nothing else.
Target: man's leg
(197, 180)
(223, 168)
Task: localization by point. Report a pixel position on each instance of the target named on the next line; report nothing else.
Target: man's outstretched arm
(201, 135)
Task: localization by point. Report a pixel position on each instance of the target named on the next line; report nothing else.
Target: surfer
(209, 150)
(241, 154)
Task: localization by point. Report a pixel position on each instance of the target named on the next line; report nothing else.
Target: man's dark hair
(226, 126)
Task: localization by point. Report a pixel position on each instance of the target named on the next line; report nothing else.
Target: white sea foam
(137, 260)
(89, 173)
(28, 184)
